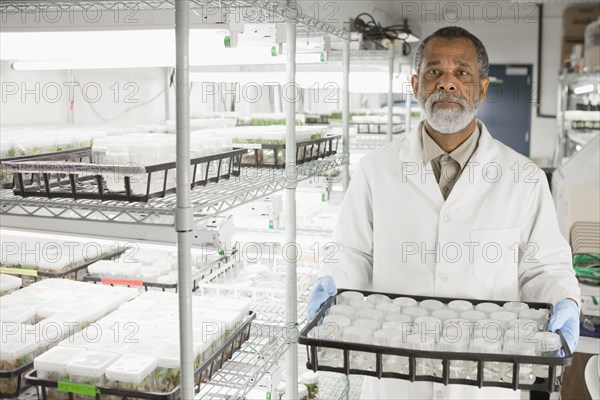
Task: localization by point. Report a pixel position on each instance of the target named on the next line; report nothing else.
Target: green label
(227, 41)
(70, 387)
(268, 396)
(322, 57)
(273, 51)
(323, 197)
(270, 224)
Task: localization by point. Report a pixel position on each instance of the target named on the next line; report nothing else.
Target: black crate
(306, 151)
(87, 181)
(552, 384)
(12, 383)
(202, 375)
(380, 128)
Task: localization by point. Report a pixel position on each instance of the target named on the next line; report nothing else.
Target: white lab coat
(497, 238)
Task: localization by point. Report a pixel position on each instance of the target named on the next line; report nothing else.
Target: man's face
(448, 87)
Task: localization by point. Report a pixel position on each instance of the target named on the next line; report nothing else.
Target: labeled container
(9, 283)
(483, 363)
(132, 372)
(547, 344)
(52, 365)
(16, 359)
(310, 379)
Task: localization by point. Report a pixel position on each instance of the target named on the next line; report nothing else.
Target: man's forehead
(458, 47)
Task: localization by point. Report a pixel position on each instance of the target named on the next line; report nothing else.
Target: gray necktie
(449, 173)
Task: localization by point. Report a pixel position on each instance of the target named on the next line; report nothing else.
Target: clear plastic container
(459, 369)
(460, 305)
(337, 321)
(90, 366)
(458, 328)
(405, 302)
(491, 370)
(364, 335)
(310, 379)
(371, 314)
(444, 314)
(473, 315)
(396, 317)
(327, 356)
(539, 316)
(52, 365)
(388, 308)
(525, 370)
(132, 372)
(515, 306)
(391, 338)
(368, 323)
(488, 308)
(347, 297)
(431, 305)
(342, 309)
(9, 283)
(377, 298)
(424, 366)
(505, 318)
(428, 326)
(489, 329)
(547, 344)
(414, 312)
(362, 305)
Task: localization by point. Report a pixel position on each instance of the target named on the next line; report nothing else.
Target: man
(450, 212)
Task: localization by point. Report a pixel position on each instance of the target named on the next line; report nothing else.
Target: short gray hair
(454, 32)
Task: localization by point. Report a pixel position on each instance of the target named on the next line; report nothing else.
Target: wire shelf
(207, 201)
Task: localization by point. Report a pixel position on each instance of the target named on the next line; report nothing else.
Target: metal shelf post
(346, 114)
(390, 101)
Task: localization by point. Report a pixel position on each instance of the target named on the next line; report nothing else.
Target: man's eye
(463, 73)
(433, 72)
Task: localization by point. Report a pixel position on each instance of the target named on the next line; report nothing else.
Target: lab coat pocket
(495, 258)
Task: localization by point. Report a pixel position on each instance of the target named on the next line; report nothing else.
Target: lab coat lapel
(415, 171)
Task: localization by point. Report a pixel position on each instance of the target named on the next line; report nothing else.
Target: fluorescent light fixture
(584, 89)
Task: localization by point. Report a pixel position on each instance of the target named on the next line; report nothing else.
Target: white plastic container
(488, 308)
(378, 298)
(347, 297)
(429, 326)
(414, 312)
(489, 329)
(132, 372)
(367, 323)
(539, 316)
(363, 335)
(458, 328)
(505, 318)
(396, 317)
(342, 309)
(515, 306)
(405, 302)
(473, 315)
(525, 370)
(391, 338)
(444, 314)
(431, 305)
(52, 364)
(459, 369)
(371, 314)
(388, 308)
(9, 283)
(491, 370)
(338, 321)
(90, 366)
(362, 305)
(424, 366)
(329, 357)
(547, 344)
(460, 305)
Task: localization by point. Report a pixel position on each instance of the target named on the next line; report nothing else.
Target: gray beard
(448, 121)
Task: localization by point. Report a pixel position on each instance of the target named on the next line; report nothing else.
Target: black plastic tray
(78, 155)
(92, 185)
(17, 376)
(552, 384)
(202, 375)
(379, 127)
(306, 151)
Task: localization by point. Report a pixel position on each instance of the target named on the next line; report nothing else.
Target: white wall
(510, 33)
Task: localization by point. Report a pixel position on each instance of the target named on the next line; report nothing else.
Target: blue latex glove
(566, 318)
(323, 289)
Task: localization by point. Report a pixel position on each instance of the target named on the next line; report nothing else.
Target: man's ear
(414, 82)
(484, 85)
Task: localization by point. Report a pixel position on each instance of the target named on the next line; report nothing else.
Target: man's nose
(446, 84)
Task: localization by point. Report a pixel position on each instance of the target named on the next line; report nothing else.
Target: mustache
(440, 96)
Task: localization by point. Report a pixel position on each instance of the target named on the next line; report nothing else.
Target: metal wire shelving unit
(190, 206)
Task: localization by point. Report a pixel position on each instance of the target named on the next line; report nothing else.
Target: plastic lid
(472, 315)
(357, 334)
(444, 314)
(515, 306)
(131, 368)
(405, 302)
(143, 348)
(9, 282)
(18, 314)
(56, 359)
(377, 298)
(388, 337)
(310, 378)
(14, 348)
(91, 363)
(414, 312)
(489, 329)
(537, 315)
(547, 341)
(504, 317)
(460, 305)
(371, 324)
(361, 305)
(481, 345)
(342, 309)
(428, 324)
(388, 308)
(454, 344)
(349, 296)
(396, 317)
(525, 324)
(337, 320)
(520, 348)
(457, 327)
(431, 304)
(401, 326)
(487, 308)
(370, 314)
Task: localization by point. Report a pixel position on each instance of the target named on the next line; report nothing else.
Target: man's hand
(323, 289)
(566, 318)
